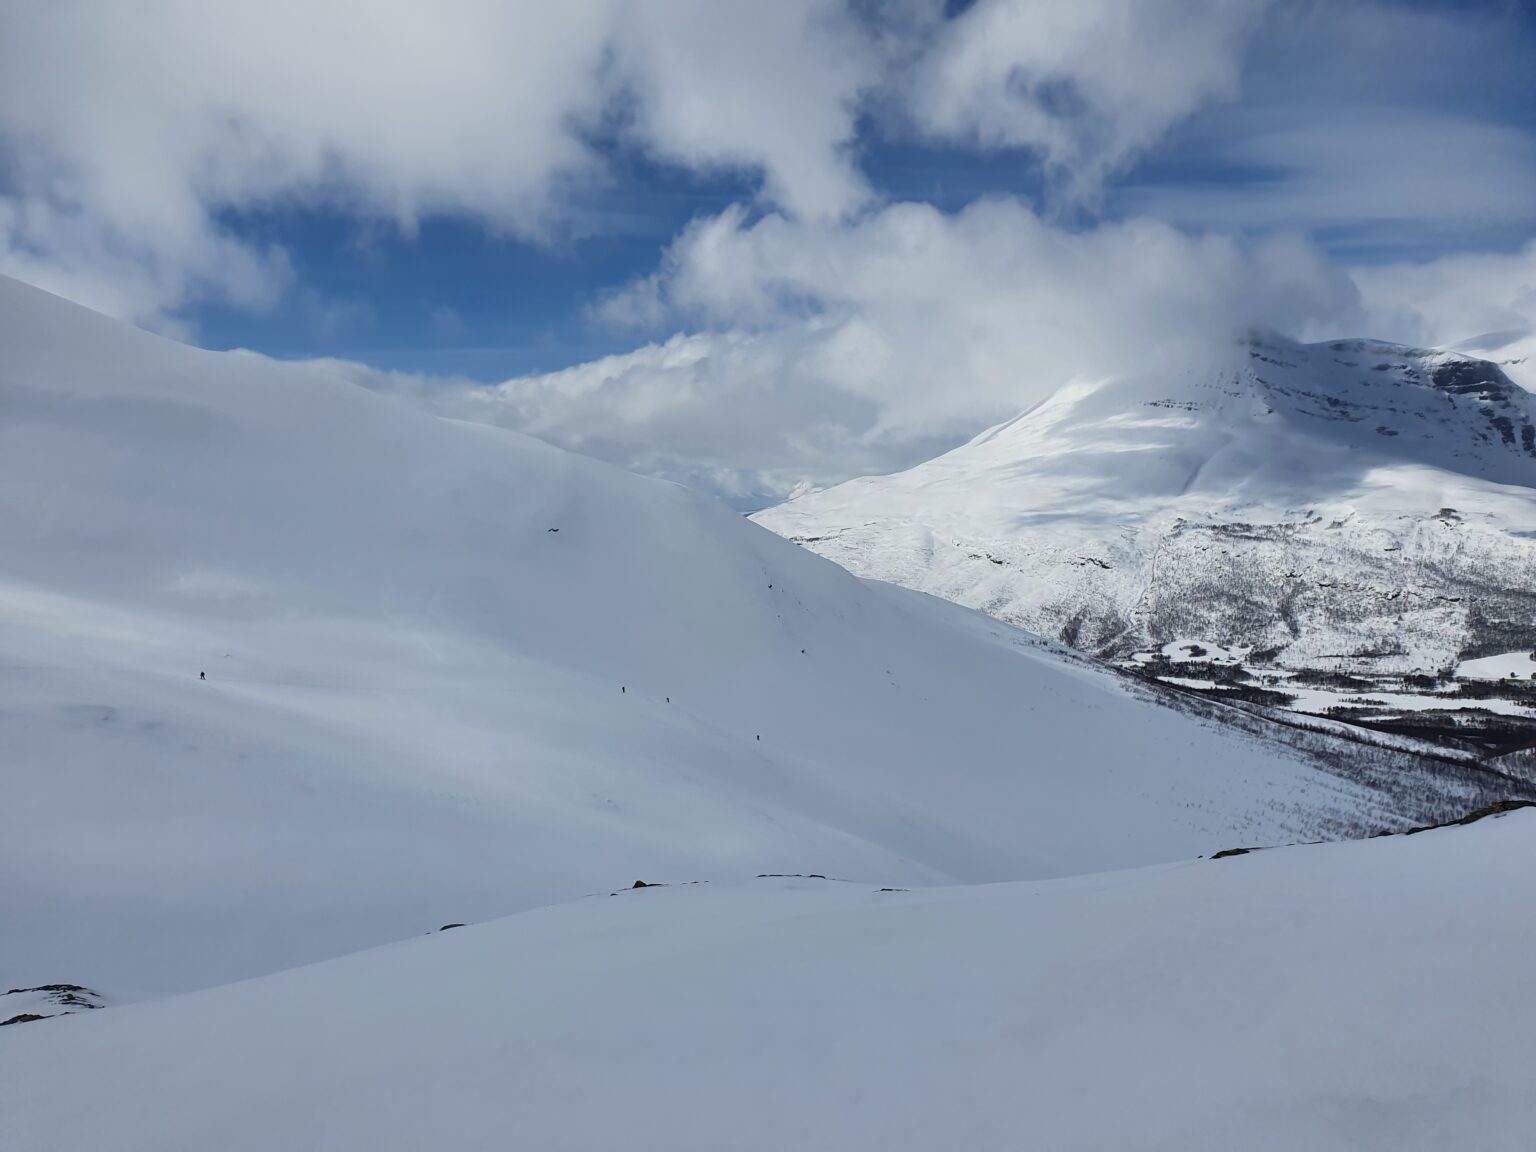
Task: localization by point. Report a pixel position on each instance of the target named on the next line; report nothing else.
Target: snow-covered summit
(1351, 500)
(1274, 424)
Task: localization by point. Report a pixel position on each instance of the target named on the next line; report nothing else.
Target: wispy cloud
(1370, 180)
(1089, 84)
(1380, 127)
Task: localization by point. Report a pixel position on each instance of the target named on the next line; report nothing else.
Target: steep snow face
(452, 672)
(1351, 505)
(1368, 995)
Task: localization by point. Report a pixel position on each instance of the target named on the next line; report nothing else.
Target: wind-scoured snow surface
(1352, 506)
(453, 673)
(1366, 995)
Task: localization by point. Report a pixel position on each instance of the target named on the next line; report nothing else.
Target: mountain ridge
(1345, 507)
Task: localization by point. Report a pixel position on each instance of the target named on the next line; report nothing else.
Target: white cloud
(761, 86)
(69, 248)
(1089, 83)
(824, 332)
(1388, 175)
(745, 416)
(1485, 303)
(1384, 126)
(127, 129)
(138, 123)
(1454, 298)
(824, 349)
(993, 294)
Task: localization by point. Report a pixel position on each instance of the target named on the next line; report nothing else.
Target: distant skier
(202, 675)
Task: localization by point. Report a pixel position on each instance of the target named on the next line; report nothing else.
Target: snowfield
(1368, 995)
(1519, 665)
(453, 673)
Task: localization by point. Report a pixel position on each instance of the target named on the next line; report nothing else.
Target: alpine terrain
(394, 758)
(1345, 529)
(291, 669)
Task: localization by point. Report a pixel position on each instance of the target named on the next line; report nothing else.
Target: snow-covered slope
(1350, 506)
(1513, 350)
(453, 672)
(1367, 995)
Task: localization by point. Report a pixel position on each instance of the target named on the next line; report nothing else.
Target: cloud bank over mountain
(1176, 186)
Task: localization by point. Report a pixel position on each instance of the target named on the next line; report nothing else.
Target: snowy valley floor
(1372, 994)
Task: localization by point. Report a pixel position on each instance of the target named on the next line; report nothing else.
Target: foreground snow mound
(452, 673)
(1348, 508)
(1368, 995)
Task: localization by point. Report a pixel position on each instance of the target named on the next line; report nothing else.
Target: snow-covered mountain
(452, 672)
(1370, 995)
(1343, 509)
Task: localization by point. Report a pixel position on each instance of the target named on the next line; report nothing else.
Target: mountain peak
(1349, 504)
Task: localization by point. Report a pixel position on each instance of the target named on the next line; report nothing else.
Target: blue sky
(458, 297)
(749, 244)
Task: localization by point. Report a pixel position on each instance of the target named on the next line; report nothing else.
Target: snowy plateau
(1345, 530)
(334, 736)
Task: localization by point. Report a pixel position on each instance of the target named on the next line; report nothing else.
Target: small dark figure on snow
(202, 675)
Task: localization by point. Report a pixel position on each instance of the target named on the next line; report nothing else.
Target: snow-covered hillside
(452, 673)
(1368, 995)
(1513, 350)
(1351, 507)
